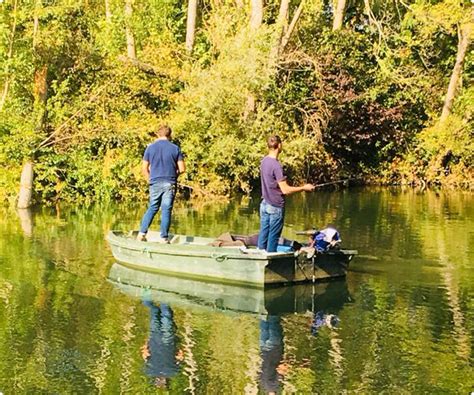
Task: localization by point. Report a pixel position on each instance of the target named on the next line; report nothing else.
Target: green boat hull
(192, 257)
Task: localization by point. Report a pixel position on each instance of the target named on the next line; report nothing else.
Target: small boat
(199, 296)
(197, 258)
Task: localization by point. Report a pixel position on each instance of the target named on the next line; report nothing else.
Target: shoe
(311, 252)
(141, 237)
(163, 240)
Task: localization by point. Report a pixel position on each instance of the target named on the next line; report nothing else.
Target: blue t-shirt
(163, 157)
(271, 173)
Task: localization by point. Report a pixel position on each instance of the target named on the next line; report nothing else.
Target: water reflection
(317, 304)
(408, 326)
(26, 221)
(271, 351)
(159, 352)
(195, 295)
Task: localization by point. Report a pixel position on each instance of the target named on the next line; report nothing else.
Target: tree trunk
(463, 45)
(283, 15)
(108, 12)
(6, 85)
(40, 92)
(338, 14)
(291, 28)
(282, 24)
(249, 105)
(256, 16)
(128, 30)
(191, 24)
(38, 5)
(26, 186)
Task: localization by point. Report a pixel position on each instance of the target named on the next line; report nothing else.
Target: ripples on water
(402, 320)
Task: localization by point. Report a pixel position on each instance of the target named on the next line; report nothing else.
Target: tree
(465, 37)
(286, 37)
(338, 14)
(131, 53)
(7, 81)
(191, 24)
(108, 12)
(40, 92)
(256, 14)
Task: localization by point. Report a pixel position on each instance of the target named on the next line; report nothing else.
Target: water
(402, 320)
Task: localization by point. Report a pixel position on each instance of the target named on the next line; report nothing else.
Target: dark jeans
(271, 351)
(162, 341)
(271, 225)
(161, 195)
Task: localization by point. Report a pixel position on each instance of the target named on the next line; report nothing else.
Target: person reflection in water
(320, 319)
(271, 351)
(159, 352)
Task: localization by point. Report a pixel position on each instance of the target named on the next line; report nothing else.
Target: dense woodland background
(378, 90)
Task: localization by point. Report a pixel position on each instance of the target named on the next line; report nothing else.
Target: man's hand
(287, 189)
(145, 351)
(146, 169)
(181, 167)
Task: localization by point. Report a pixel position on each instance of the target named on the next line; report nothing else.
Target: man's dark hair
(273, 142)
(164, 131)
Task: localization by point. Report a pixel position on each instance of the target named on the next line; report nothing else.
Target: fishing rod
(312, 231)
(199, 190)
(345, 181)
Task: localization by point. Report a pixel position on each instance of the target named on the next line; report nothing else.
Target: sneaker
(163, 240)
(141, 236)
(311, 252)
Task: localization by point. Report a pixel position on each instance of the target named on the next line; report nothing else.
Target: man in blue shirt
(162, 163)
(274, 189)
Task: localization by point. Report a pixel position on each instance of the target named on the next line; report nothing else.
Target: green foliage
(347, 102)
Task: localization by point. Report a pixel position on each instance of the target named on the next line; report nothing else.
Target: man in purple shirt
(161, 165)
(274, 189)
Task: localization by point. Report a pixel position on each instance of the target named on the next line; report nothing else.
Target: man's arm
(288, 190)
(146, 169)
(181, 167)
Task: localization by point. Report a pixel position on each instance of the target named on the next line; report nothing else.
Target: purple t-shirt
(271, 173)
(163, 156)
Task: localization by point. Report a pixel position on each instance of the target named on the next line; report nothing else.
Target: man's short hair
(164, 131)
(273, 142)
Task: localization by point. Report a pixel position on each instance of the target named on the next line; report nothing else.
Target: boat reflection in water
(321, 302)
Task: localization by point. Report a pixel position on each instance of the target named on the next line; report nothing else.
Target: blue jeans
(161, 195)
(271, 225)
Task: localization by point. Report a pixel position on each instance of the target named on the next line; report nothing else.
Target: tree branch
(145, 67)
(289, 32)
(46, 141)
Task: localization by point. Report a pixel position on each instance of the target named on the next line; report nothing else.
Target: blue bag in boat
(283, 248)
(326, 239)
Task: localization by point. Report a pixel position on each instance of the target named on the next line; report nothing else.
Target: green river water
(402, 321)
